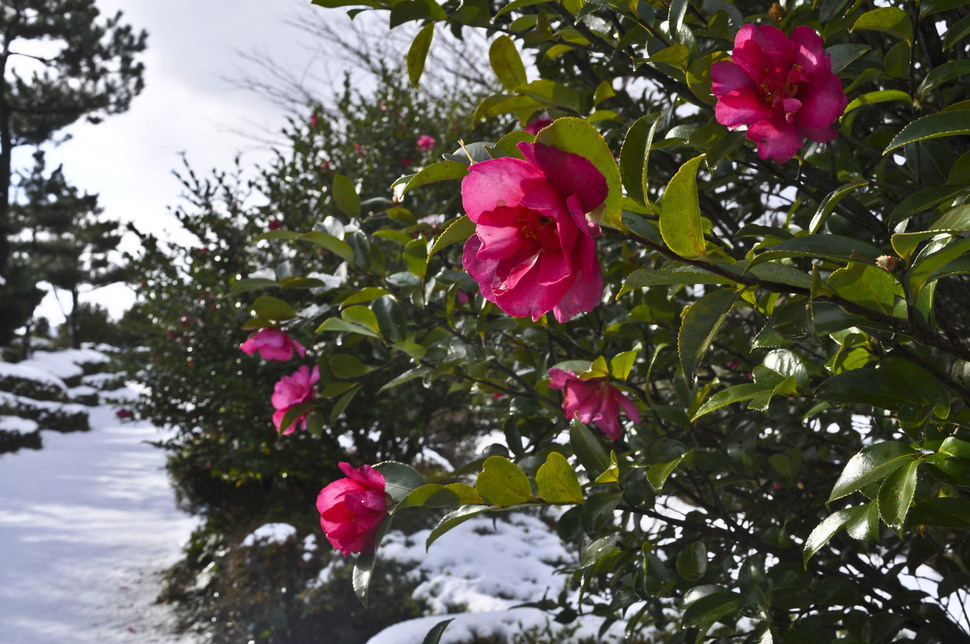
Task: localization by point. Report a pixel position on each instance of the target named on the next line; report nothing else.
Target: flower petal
(777, 139)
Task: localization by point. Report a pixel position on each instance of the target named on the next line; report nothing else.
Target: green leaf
(864, 526)
(364, 295)
(416, 257)
(622, 363)
(588, 449)
(457, 231)
(346, 367)
(896, 494)
(392, 321)
(830, 202)
(418, 53)
(434, 635)
(658, 473)
(345, 195)
(869, 286)
(926, 265)
(880, 96)
(407, 376)
(828, 528)
(950, 513)
(328, 242)
(549, 92)
(891, 20)
(925, 199)
(399, 479)
(941, 74)
(440, 171)
(731, 395)
(873, 463)
(273, 308)
(503, 483)
(635, 156)
(557, 482)
(341, 404)
(833, 247)
(579, 137)
(647, 277)
(700, 324)
(507, 64)
(933, 126)
(692, 561)
(252, 284)
(680, 214)
(704, 605)
(455, 518)
(362, 316)
(338, 325)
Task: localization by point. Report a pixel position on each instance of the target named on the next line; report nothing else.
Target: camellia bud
(888, 263)
(777, 13)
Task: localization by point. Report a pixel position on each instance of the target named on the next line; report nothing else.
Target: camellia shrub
(710, 283)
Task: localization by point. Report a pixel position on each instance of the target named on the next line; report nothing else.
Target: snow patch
(270, 533)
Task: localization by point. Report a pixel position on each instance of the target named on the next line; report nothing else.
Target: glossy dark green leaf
(896, 493)
(440, 171)
(872, 464)
(699, 325)
(345, 195)
(658, 473)
(347, 367)
(705, 605)
(392, 321)
(455, 518)
(876, 97)
(933, 126)
(828, 528)
(399, 479)
(457, 232)
(867, 285)
(273, 308)
(950, 513)
(647, 277)
(635, 156)
(941, 74)
(587, 448)
(434, 635)
(692, 561)
(328, 242)
(925, 199)
(834, 247)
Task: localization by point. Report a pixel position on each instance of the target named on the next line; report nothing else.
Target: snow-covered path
(86, 525)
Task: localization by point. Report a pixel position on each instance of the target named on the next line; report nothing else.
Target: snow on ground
(86, 525)
(478, 572)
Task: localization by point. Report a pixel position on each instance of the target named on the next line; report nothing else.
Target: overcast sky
(188, 105)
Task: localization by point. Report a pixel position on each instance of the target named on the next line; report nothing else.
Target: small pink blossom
(272, 344)
(534, 126)
(782, 89)
(123, 413)
(534, 247)
(593, 401)
(324, 165)
(291, 391)
(425, 142)
(313, 120)
(274, 224)
(351, 509)
(405, 162)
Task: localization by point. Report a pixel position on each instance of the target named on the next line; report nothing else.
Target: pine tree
(58, 64)
(62, 238)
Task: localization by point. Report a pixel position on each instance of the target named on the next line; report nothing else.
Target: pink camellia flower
(274, 224)
(291, 391)
(533, 249)
(351, 509)
(783, 90)
(272, 344)
(534, 126)
(593, 401)
(123, 413)
(425, 142)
